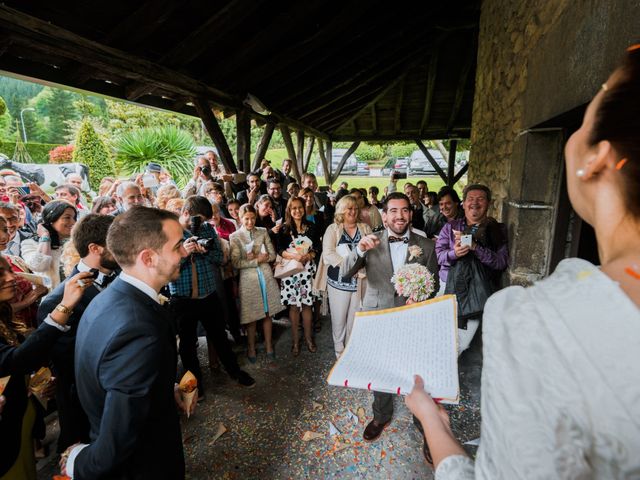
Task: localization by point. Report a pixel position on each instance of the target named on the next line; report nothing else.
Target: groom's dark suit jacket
(125, 363)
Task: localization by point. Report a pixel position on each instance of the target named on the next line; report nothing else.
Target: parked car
(350, 166)
(363, 169)
(419, 165)
(398, 164)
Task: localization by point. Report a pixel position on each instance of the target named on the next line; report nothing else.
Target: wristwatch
(63, 309)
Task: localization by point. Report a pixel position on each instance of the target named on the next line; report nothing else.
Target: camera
(207, 243)
(205, 170)
(195, 222)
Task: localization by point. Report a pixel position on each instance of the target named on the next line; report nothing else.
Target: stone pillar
(532, 203)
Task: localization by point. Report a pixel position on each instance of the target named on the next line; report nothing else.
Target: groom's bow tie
(398, 239)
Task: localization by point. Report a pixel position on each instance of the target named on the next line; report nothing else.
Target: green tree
(61, 108)
(91, 151)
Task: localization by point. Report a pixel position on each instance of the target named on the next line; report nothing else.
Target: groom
(383, 253)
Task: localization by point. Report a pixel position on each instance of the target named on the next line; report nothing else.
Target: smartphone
(466, 240)
(24, 190)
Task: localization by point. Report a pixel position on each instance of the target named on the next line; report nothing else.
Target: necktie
(398, 239)
(108, 279)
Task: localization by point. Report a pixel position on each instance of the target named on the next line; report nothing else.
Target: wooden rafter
(430, 89)
(291, 151)
(432, 160)
(300, 150)
(141, 23)
(460, 173)
(209, 33)
(462, 83)
(243, 143)
(263, 146)
(397, 124)
(451, 163)
(215, 132)
(374, 119)
(343, 160)
(307, 156)
(326, 168)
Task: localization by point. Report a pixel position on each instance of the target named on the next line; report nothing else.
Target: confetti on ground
(267, 425)
(219, 432)
(333, 430)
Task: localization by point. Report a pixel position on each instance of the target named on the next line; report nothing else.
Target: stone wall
(536, 62)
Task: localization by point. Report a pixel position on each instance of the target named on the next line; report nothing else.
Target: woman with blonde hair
(339, 240)
(166, 193)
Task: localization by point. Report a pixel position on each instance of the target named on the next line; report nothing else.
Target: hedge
(39, 151)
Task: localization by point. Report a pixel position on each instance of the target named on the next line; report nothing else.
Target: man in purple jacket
(475, 234)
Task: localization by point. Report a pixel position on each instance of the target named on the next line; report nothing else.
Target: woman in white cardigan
(344, 294)
(43, 255)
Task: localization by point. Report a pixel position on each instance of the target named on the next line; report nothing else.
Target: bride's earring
(580, 173)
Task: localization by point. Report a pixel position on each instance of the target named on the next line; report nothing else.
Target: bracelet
(63, 309)
(44, 239)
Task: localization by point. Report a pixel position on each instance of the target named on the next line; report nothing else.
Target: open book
(388, 347)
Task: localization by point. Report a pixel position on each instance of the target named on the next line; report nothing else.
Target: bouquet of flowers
(301, 245)
(414, 281)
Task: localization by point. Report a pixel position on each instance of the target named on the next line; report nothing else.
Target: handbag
(286, 268)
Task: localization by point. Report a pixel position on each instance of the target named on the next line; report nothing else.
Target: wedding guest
(368, 213)
(293, 189)
(10, 213)
(128, 195)
(89, 238)
(106, 187)
(373, 197)
(345, 293)
(215, 194)
(423, 190)
(567, 407)
(312, 214)
(449, 210)
(489, 247)
(267, 217)
(296, 290)
(279, 204)
(233, 207)
(19, 359)
(223, 226)
(254, 190)
(166, 193)
(175, 205)
(251, 253)
(43, 256)
(104, 206)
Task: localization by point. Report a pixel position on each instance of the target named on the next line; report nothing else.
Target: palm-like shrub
(168, 146)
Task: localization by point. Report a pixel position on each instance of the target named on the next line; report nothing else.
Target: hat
(154, 167)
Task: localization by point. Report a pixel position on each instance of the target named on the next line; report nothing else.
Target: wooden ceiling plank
(225, 20)
(139, 25)
(430, 89)
(215, 132)
(343, 160)
(462, 82)
(263, 146)
(291, 151)
(397, 123)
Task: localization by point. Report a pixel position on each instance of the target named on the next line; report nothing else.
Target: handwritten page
(388, 347)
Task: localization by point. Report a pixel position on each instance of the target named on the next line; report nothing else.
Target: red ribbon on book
(398, 390)
(346, 383)
(369, 386)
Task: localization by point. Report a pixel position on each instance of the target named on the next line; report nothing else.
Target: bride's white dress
(560, 382)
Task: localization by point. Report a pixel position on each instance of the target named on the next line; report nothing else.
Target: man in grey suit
(383, 253)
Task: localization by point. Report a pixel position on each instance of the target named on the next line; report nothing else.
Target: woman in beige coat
(344, 294)
(251, 252)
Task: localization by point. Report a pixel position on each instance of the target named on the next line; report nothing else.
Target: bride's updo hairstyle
(618, 121)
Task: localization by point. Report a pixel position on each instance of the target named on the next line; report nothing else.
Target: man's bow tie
(106, 279)
(398, 239)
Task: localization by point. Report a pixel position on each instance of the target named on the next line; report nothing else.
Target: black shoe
(244, 379)
(374, 430)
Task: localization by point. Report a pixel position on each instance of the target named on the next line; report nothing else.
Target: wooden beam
(453, 145)
(462, 82)
(300, 150)
(135, 90)
(406, 136)
(42, 36)
(431, 86)
(243, 144)
(460, 173)
(208, 35)
(375, 99)
(138, 25)
(432, 160)
(307, 155)
(263, 146)
(330, 160)
(343, 160)
(397, 124)
(215, 132)
(326, 169)
(291, 151)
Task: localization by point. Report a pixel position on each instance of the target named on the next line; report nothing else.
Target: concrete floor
(265, 425)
